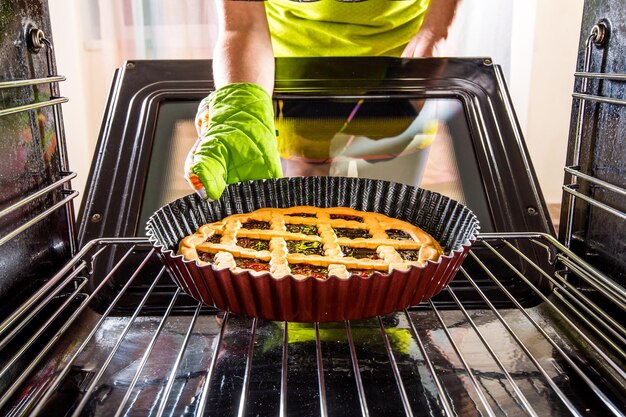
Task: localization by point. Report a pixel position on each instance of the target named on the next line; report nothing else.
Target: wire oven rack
(563, 357)
(597, 37)
(36, 41)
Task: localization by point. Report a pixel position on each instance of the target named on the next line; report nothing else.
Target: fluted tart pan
(289, 298)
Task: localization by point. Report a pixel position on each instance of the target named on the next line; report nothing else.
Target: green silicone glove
(236, 143)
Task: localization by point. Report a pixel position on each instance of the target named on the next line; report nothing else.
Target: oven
(92, 324)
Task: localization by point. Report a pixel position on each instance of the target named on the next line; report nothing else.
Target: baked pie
(309, 241)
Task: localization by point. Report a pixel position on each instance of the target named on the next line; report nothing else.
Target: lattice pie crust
(309, 241)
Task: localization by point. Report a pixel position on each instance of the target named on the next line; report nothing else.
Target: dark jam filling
(361, 272)
(398, 234)
(252, 263)
(256, 244)
(305, 247)
(409, 254)
(346, 217)
(255, 225)
(303, 214)
(351, 233)
(215, 238)
(206, 256)
(359, 252)
(307, 229)
(309, 270)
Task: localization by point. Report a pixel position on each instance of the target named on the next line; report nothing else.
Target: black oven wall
(598, 235)
(30, 249)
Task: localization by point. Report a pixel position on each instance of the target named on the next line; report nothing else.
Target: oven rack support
(36, 41)
(571, 326)
(597, 37)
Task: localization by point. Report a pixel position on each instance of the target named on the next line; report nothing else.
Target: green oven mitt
(237, 140)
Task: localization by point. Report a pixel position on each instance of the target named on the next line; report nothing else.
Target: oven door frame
(117, 179)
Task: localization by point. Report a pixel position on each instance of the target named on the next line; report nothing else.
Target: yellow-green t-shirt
(343, 28)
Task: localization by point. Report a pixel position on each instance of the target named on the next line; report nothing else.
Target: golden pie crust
(322, 242)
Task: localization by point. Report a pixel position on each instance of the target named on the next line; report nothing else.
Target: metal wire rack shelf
(558, 358)
(36, 41)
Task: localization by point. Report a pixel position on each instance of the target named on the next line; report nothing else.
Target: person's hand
(434, 29)
(237, 140)
(422, 45)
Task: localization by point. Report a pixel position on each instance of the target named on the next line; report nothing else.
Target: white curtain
(151, 29)
(179, 29)
(482, 28)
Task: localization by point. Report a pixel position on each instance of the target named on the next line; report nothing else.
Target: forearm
(434, 29)
(439, 17)
(243, 51)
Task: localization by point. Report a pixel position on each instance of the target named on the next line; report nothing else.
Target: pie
(309, 241)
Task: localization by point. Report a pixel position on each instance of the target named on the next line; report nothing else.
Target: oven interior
(92, 325)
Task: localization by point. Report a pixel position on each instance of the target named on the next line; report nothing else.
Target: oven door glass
(420, 142)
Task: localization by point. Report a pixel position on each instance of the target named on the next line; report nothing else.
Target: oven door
(446, 125)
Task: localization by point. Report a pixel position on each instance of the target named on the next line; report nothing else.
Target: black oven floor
(382, 371)
(430, 361)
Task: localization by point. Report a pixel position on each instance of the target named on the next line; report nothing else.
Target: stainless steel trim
(569, 189)
(69, 176)
(207, 381)
(445, 401)
(556, 310)
(38, 307)
(142, 363)
(569, 222)
(37, 218)
(177, 361)
(320, 372)
(601, 76)
(32, 300)
(145, 356)
(605, 320)
(60, 132)
(9, 364)
(578, 297)
(492, 353)
(590, 97)
(357, 372)
(601, 395)
(131, 386)
(117, 241)
(33, 106)
(604, 184)
(246, 377)
(517, 235)
(587, 272)
(470, 373)
(608, 289)
(599, 34)
(31, 81)
(56, 381)
(283, 372)
(521, 344)
(102, 369)
(396, 371)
